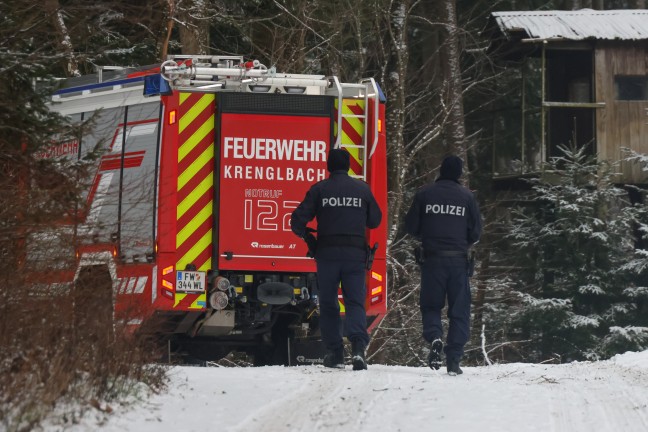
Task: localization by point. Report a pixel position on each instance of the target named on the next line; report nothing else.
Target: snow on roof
(630, 24)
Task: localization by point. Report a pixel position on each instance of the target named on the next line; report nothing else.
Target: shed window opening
(631, 88)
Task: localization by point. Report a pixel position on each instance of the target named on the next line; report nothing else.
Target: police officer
(344, 208)
(445, 217)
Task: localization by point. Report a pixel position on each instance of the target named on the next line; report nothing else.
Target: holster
(311, 242)
(419, 255)
(371, 253)
(471, 263)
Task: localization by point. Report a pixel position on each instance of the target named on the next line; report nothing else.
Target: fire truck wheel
(93, 305)
(272, 349)
(200, 352)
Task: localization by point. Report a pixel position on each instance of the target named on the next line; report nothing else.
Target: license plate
(190, 281)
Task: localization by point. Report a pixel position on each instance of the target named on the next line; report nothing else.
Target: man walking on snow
(345, 208)
(445, 217)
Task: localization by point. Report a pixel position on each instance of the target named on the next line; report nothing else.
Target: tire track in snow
(597, 399)
(577, 397)
(329, 400)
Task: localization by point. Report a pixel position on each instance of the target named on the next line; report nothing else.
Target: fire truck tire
(272, 350)
(272, 355)
(93, 305)
(200, 352)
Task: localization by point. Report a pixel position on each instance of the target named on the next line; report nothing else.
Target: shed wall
(621, 124)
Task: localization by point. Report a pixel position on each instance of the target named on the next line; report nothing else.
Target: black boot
(358, 356)
(334, 359)
(434, 358)
(453, 367)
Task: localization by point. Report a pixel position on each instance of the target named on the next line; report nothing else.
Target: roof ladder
(365, 89)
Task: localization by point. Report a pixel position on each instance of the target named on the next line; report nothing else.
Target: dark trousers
(351, 274)
(441, 278)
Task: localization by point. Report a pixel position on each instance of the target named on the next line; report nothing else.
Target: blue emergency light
(155, 85)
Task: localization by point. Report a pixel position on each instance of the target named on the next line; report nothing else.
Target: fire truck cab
(202, 161)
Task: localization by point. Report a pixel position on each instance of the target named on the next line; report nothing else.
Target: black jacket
(344, 207)
(445, 217)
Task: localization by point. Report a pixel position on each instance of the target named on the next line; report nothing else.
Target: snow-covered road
(603, 396)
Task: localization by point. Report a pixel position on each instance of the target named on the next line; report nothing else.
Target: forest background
(560, 277)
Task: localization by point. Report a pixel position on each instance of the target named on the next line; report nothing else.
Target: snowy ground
(604, 396)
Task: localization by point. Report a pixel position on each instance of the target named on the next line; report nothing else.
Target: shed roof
(629, 24)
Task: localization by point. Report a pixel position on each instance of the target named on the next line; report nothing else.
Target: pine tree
(573, 245)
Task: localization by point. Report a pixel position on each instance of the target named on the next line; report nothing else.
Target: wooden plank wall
(621, 124)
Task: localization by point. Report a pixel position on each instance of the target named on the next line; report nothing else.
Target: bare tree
(191, 19)
(193, 26)
(397, 84)
(42, 353)
(452, 103)
(53, 9)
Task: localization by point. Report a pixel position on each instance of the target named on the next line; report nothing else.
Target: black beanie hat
(451, 168)
(338, 159)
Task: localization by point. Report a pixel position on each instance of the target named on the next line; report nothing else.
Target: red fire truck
(202, 161)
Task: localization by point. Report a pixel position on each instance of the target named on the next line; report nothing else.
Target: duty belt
(447, 253)
(341, 240)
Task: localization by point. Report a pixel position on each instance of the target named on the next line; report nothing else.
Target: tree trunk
(575, 4)
(480, 297)
(396, 115)
(171, 11)
(53, 10)
(455, 130)
(193, 27)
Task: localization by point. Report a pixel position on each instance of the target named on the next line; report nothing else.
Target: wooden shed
(580, 77)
